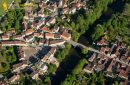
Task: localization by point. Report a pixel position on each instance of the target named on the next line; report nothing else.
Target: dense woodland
(12, 21)
(116, 27)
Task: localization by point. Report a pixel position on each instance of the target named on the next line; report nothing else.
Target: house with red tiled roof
(52, 20)
(2, 82)
(38, 35)
(65, 35)
(46, 29)
(91, 59)
(18, 37)
(29, 38)
(49, 57)
(103, 41)
(29, 31)
(123, 74)
(13, 43)
(49, 36)
(65, 10)
(56, 42)
(5, 37)
(14, 78)
(18, 67)
(43, 42)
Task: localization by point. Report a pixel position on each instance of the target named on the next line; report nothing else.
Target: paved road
(76, 44)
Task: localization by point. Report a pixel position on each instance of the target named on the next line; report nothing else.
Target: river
(73, 57)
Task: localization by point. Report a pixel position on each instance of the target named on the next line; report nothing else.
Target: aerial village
(37, 24)
(113, 65)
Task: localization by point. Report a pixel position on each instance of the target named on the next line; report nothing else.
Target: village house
(29, 38)
(43, 42)
(38, 35)
(13, 43)
(123, 74)
(21, 54)
(41, 12)
(62, 3)
(5, 37)
(49, 36)
(1, 32)
(91, 59)
(52, 20)
(46, 29)
(65, 10)
(53, 50)
(57, 42)
(72, 10)
(42, 67)
(2, 82)
(110, 68)
(24, 24)
(14, 78)
(56, 29)
(40, 23)
(18, 37)
(29, 31)
(35, 75)
(45, 1)
(88, 68)
(20, 66)
(57, 36)
(98, 67)
(49, 57)
(65, 35)
(102, 42)
(52, 9)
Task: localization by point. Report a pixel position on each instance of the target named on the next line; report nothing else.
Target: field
(7, 3)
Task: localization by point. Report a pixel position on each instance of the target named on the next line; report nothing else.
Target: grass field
(1, 9)
(7, 57)
(4, 66)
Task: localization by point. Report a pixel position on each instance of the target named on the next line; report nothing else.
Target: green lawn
(4, 66)
(7, 57)
(8, 2)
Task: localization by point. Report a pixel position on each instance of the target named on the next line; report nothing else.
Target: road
(76, 44)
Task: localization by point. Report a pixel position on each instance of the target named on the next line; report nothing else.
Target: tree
(17, 27)
(78, 68)
(99, 31)
(85, 50)
(51, 68)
